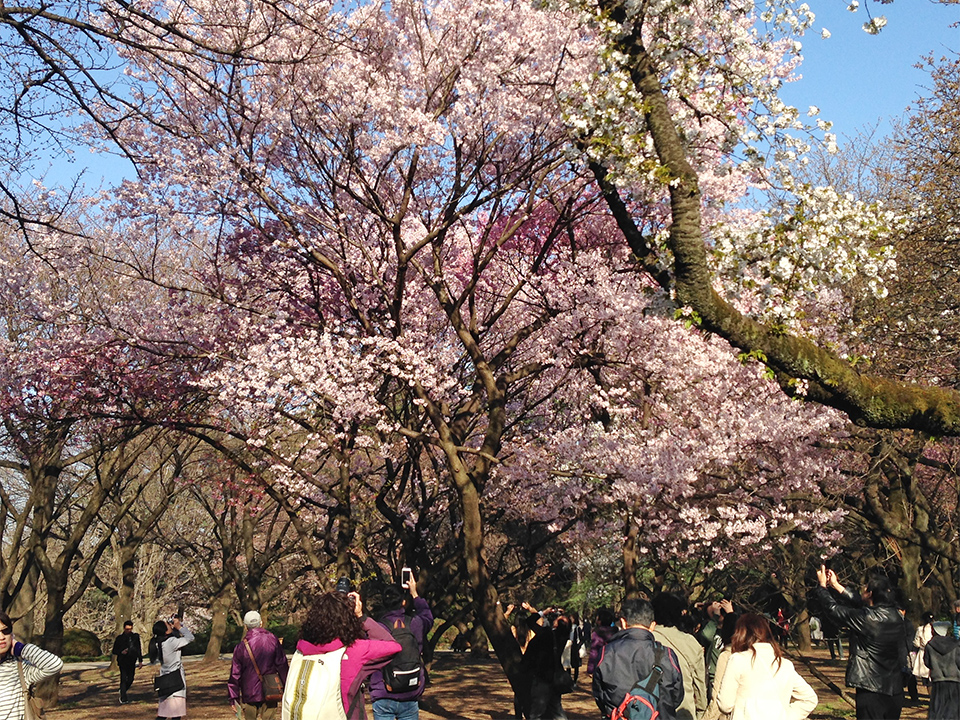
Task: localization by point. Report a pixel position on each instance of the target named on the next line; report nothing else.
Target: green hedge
(81, 644)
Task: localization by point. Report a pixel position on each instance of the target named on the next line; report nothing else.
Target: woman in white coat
(923, 636)
(169, 638)
(759, 683)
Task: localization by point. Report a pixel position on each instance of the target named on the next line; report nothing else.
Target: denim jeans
(387, 709)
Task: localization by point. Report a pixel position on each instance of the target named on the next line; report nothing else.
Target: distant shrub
(81, 643)
(288, 634)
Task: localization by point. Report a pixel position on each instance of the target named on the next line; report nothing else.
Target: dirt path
(462, 687)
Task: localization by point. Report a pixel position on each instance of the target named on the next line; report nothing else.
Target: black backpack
(402, 675)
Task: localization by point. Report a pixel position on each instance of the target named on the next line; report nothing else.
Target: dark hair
(881, 589)
(154, 647)
(927, 618)
(728, 624)
(637, 611)
(605, 617)
(332, 616)
(669, 609)
(394, 598)
(750, 630)
(6, 621)
(128, 623)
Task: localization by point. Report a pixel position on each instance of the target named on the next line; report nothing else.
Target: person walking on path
(404, 611)
(21, 666)
(169, 638)
(878, 642)
(604, 628)
(831, 634)
(259, 654)
(758, 682)
(129, 654)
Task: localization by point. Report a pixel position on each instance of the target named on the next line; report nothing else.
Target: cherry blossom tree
(640, 39)
(385, 204)
(411, 254)
(74, 396)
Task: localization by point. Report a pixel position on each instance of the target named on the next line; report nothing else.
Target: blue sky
(857, 79)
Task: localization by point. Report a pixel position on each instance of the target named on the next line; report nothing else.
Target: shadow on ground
(461, 687)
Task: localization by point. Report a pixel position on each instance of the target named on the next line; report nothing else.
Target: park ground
(461, 687)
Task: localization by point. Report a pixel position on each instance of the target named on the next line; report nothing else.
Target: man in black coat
(878, 642)
(129, 657)
(629, 657)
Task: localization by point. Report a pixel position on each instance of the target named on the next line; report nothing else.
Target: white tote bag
(312, 691)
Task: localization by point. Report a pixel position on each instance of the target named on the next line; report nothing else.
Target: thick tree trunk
(346, 529)
(53, 619)
(485, 595)
(631, 560)
(803, 631)
(23, 610)
(218, 625)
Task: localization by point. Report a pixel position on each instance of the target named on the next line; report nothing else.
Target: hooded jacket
(942, 656)
(878, 642)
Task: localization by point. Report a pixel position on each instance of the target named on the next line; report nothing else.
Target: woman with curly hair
(759, 683)
(335, 631)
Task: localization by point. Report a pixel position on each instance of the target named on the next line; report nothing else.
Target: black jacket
(628, 658)
(127, 649)
(878, 642)
(942, 656)
(541, 659)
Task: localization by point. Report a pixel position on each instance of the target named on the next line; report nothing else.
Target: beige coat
(713, 709)
(692, 668)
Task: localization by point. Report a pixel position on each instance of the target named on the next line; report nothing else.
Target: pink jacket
(359, 661)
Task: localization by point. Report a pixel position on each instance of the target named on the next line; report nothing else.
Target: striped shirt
(37, 665)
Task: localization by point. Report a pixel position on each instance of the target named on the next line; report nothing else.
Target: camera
(344, 585)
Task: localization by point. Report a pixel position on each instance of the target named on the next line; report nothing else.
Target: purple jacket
(600, 637)
(419, 623)
(360, 659)
(244, 684)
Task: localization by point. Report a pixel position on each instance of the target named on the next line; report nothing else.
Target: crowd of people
(713, 662)
(341, 651)
(709, 661)
(690, 663)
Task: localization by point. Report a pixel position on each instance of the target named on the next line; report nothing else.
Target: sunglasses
(6, 631)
